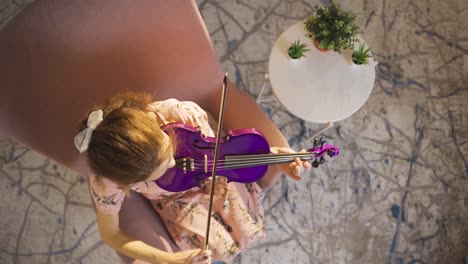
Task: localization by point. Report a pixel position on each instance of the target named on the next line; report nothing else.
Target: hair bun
(134, 100)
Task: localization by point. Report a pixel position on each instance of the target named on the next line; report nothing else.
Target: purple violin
(244, 156)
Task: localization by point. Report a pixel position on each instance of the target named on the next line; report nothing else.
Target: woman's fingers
(280, 150)
(298, 167)
(298, 162)
(295, 168)
(203, 258)
(305, 164)
(294, 171)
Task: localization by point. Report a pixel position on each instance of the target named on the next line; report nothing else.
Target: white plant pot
(294, 60)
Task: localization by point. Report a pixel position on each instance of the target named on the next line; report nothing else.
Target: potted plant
(361, 55)
(297, 50)
(332, 28)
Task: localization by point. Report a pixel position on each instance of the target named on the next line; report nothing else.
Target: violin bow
(215, 163)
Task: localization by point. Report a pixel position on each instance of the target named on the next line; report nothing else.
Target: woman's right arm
(112, 235)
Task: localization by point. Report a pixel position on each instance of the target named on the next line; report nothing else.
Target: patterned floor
(398, 193)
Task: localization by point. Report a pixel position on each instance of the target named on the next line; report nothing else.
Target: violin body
(198, 152)
(243, 156)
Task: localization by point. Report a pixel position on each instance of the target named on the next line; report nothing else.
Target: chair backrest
(59, 58)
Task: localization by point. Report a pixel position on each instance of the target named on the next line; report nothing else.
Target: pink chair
(59, 58)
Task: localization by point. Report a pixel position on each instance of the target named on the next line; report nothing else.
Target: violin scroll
(320, 148)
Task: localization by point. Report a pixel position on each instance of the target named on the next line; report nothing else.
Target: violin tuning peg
(315, 163)
(322, 141)
(316, 141)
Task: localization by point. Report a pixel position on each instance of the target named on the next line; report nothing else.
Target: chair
(59, 58)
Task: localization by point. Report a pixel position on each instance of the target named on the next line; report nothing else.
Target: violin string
(240, 161)
(235, 160)
(272, 156)
(264, 160)
(240, 164)
(236, 166)
(262, 157)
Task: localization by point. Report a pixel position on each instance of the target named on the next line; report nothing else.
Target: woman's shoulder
(171, 102)
(107, 195)
(174, 105)
(173, 110)
(103, 186)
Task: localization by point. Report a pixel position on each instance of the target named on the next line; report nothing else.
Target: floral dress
(237, 215)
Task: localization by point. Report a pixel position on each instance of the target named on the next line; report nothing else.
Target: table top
(322, 87)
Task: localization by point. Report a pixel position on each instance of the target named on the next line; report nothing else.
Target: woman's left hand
(293, 169)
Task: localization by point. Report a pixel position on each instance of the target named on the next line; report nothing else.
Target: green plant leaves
(332, 27)
(297, 50)
(361, 55)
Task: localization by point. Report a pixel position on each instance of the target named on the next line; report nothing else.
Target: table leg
(259, 97)
(324, 128)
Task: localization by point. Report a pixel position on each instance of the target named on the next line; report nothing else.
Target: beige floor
(406, 148)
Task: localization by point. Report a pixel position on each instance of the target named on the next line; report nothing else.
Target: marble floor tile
(397, 193)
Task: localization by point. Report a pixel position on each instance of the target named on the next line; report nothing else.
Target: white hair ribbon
(84, 137)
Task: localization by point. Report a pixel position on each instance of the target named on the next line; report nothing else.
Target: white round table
(323, 87)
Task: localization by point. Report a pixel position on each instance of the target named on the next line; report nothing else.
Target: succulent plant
(332, 27)
(361, 55)
(297, 50)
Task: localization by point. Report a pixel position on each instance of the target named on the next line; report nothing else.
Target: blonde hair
(125, 147)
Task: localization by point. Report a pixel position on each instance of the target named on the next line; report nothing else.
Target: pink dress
(237, 219)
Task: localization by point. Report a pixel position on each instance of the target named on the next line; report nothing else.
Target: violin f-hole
(202, 145)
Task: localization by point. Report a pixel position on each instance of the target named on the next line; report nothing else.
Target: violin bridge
(206, 164)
